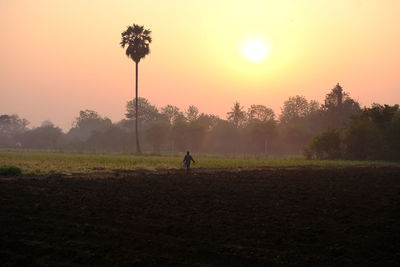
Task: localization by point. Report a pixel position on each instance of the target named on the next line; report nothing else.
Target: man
(187, 160)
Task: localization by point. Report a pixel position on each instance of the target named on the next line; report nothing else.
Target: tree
(47, 136)
(146, 111)
(297, 107)
(237, 116)
(362, 139)
(260, 113)
(196, 133)
(224, 138)
(114, 138)
(179, 134)
(339, 107)
(261, 133)
(89, 121)
(86, 117)
(394, 134)
(137, 41)
(171, 113)
(335, 98)
(327, 145)
(11, 127)
(192, 113)
(299, 123)
(374, 133)
(157, 134)
(209, 120)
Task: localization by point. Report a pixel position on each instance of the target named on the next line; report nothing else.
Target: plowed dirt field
(303, 216)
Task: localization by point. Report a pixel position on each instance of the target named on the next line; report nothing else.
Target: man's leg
(188, 167)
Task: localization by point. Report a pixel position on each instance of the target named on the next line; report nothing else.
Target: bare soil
(257, 217)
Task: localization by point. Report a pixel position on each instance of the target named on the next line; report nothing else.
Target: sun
(255, 50)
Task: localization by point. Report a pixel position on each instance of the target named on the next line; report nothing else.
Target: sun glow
(255, 50)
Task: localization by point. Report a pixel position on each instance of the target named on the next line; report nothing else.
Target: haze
(60, 57)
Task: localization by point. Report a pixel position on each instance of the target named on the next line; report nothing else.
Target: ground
(299, 216)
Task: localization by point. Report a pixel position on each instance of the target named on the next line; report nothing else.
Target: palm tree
(137, 40)
(237, 116)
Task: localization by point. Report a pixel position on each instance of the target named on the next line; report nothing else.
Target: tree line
(337, 128)
(371, 134)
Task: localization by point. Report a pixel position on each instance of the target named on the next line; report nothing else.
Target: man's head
(187, 153)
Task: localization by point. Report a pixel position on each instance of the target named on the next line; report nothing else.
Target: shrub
(324, 146)
(10, 171)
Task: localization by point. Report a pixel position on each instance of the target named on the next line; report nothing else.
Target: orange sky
(59, 57)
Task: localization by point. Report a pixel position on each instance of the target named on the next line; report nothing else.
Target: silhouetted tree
(127, 125)
(196, 134)
(157, 134)
(147, 111)
(192, 113)
(179, 134)
(237, 116)
(112, 139)
(327, 145)
(137, 41)
(171, 113)
(374, 133)
(11, 128)
(261, 134)
(88, 122)
(209, 120)
(224, 138)
(299, 123)
(260, 113)
(339, 107)
(297, 107)
(47, 136)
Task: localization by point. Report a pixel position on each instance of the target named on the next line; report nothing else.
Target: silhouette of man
(187, 160)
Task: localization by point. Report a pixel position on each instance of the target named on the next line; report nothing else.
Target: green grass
(46, 162)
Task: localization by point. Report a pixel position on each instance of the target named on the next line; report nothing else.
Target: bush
(324, 146)
(10, 171)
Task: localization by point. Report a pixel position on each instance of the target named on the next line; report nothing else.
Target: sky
(60, 57)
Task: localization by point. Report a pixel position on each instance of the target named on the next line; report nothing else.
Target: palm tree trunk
(138, 151)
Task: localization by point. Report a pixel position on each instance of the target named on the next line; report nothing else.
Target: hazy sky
(60, 57)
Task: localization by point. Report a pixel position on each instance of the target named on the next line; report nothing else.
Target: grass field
(50, 162)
